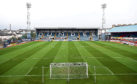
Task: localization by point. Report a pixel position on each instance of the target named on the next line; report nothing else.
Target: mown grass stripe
(18, 59)
(61, 56)
(26, 72)
(13, 48)
(51, 53)
(127, 61)
(108, 61)
(25, 67)
(46, 62)
(84, 55)
(11, 55)
(118, 50)
(125, 47)
(111, 63)
(95, 63)
(73, 53)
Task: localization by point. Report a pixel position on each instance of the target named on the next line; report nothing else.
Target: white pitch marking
(120, 74)
(19, 75)
(95, 57)
(29, 70)
(42, 75)
(116, 57)
(95, 74)
(41, 58)
(109, 70)
(103, 57)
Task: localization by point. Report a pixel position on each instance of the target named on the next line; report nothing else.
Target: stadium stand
(124, 34)
(67, 34)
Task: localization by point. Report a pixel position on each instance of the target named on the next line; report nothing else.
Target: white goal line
(51, 58)
(120, 74)
(101, 57)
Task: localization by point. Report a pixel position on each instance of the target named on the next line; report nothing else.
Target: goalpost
(76, 70)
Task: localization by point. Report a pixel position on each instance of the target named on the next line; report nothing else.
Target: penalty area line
(109, 70)
(42, 75)
(29, 71)
(95, 74)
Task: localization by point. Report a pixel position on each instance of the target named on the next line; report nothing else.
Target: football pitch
(108, 63)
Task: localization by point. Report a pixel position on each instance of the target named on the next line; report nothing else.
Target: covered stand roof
(67, 28)
(130, 28)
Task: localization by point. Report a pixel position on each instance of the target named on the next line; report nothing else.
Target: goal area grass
(108, 63)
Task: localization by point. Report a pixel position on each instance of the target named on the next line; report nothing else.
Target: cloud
(67, 13)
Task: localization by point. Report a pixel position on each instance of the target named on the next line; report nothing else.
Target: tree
(24, 36)
(33, 35)
(0, 41)
(14, 39)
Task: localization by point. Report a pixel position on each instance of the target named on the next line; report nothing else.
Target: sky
(66, 13)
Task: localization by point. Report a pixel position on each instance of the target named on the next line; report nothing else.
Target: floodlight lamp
(28, 5)
(103, 5)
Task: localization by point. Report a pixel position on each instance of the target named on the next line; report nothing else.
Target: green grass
(109, 63)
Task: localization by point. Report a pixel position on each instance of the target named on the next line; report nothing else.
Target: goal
(76, 70)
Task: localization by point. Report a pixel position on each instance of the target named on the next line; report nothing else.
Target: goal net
(78, 70)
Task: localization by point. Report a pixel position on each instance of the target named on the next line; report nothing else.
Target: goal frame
(68, 65)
